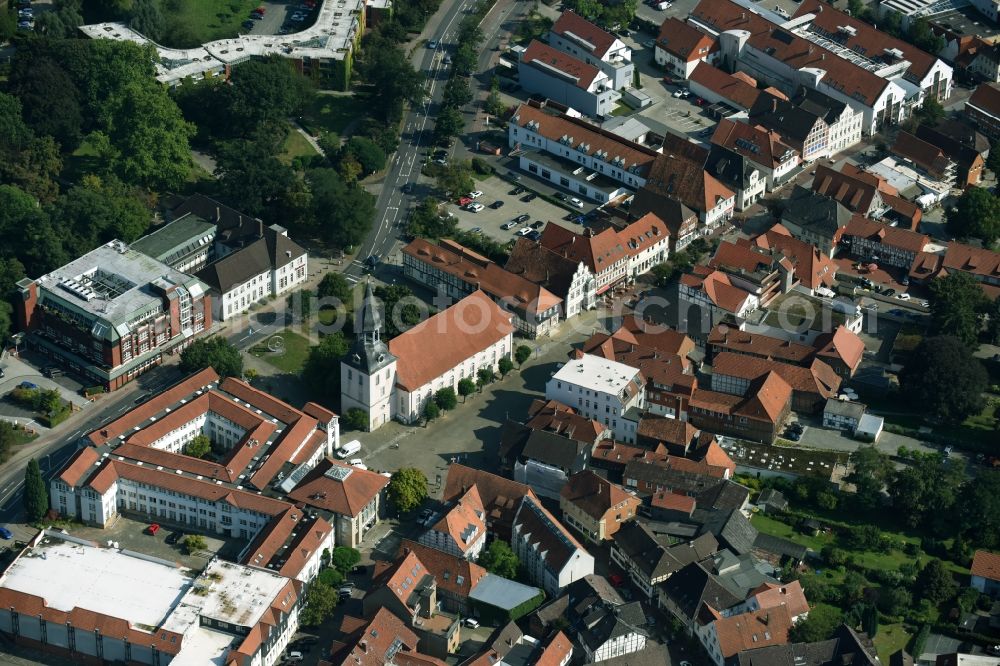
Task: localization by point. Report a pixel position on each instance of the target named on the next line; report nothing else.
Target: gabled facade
(595, 507)
(549, 553)
(680, 47)
(578, 37)
(567, 80)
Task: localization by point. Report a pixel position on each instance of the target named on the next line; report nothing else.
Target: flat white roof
(597, 374)
(203, 646)
(331, 36)
(102, 580)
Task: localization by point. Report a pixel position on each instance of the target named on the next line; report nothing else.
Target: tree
(485, 377)
(935, 582)
(407, 488)
(822, 621)
(28, 161)
(948, 382)
(499, 559)
(194, 543)
(215, 352)
(455, 179)
(97, 211)
(871, 470)
(926, 491)
(265, 91)
(251, 175)
(466, 387)
(505, 365)
(427, 221)
(343, 212)
(402, 310)
(344, 558)
(369, 155)
(320, 601)
(446, 399)
(521, 354)
(921, 36)
(457, 92)
(448, 124)
(60, 24)
(930, 111)
(894, 600)
(392, 77)
(955, 303)
(980, 515)
(356, 419)
(993, 161)
(49, 98)
(147, 19)
(869, 620)
(976, 214)
(36, 497)
(431, 411)
(334, 285)
(494, 104)
(198, 447)
(321, 374)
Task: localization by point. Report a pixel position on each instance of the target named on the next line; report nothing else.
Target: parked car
(475, 207)
(888, 292)
(534, 235)
(576, 202)
(153, 529)
(524, 232)
(523, 217)
(496, 204)
(27, 385)
(174, 537)
(432, 44)
(903, 297)
(531, 196)
(476, 230)
(248, 24)
(517, 190)
(475, 194)
(649, 43)
(471, 623)
(5, 533)
(508, 225)
(538, 224)
(561, 197)
(464, 201)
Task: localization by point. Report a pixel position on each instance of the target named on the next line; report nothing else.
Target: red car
(667, 79)
(616, 580)
(464, 201)
(260, 10)
(153, 529)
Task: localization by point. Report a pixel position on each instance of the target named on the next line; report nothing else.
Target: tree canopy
(407, 488)
(215, 352)
(976, 214)
(948, 382)
(36, 496)
(956, 302)
(321, 373)
(499, 559)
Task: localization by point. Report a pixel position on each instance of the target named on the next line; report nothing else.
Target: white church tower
(368, 372)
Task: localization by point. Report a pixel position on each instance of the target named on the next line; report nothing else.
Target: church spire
(370, 321)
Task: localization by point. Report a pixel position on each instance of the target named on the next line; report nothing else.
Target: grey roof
(542, 530)
(732, 529)
(779, 546)
(791, 121)
(836, 407)
(671, 211)
(270, 252)
(501, 592)
(648, 553)
(232, 224)
(537, 263)
(740, 574)
(112, 285)
(814, 212)
(602, 623)
(724, 496)
(174, 241)
(846, 648)
(774, 499)
(556, 450)
(819, 104)
(695, 584)
(369, 353)
(371, 317)
(729, 167)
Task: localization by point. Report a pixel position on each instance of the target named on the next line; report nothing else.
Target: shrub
(481, 166)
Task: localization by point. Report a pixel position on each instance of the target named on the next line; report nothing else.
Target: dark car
(796, 427)
(248, 24)
(5, 533)
(538, 224)
(517, 190)
(496, 204)
(523, 217)
(371, 261)
(531, 196)
(534, 235)
(888, 292)
(174, 537)
(359, 569)
(561, 196)
(307, 640)
(792, 435)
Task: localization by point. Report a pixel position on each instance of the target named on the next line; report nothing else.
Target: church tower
(368, 372)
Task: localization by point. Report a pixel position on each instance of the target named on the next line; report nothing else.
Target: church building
(395, 380)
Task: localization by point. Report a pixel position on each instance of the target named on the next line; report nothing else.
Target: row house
(753, 269)
(551, 556)
(564, 79)
(680, 47)
(815, 218)
(813, 268)
(603, 253)
(462, 530)
(765, 149)
(930, 159)
(815, 124)
(601, 389)
(758, 414)
(647, 243)
(578, 37)
(866, 194)
(715, 298)
(650, 559)
(962, 144)
(679, 173)
(501, 497)
(983, 110)
(572, 281)
(874, 241)
(455, 271)
(811, 386)
(595, 507)
(588, 160)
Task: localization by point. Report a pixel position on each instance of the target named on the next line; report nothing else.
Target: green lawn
(193, 22)
(986, 419)
(292, 358)
(333, 113)
(769, 525)
(889, 639)
(296, 146)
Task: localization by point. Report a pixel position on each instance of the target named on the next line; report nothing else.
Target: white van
(349, 449)
(294, 657)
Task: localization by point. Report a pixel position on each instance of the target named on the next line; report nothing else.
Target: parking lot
(277, 18)
(489, 220)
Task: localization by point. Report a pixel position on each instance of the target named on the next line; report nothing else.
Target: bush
(92, 391)
(330, 577)
(194, 543)
(344, 558)
(482, 167)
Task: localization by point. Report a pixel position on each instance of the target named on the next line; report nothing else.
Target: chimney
(774, 105)
(364, 646)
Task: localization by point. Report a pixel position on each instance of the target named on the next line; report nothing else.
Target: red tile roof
(986, 98)
(766, 400)
(80, 465)
(749, 631)
(975, 260)
(717, 287)
(684, 41)
(501, 497)
(514, 290)
(878, 232)
(556, 417)
(467, 513)
(269, 546)
(600, 144)
(451, 573)
(556, 652)
(669, 431)
(583, 33)
(679, 173)
(757, 144)
(369, 645)
(758, 344)
(740, 93)
(986, 565)
(643, 233)
(812, 266)
(596, 496)
(790, 595)
(347, 497)
(866, 37)
(817, 378)
(546, 59)
(673, 502)
(924, 154)
(470, 326)
(598, 252)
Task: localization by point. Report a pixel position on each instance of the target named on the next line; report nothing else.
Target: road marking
(350, 278)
